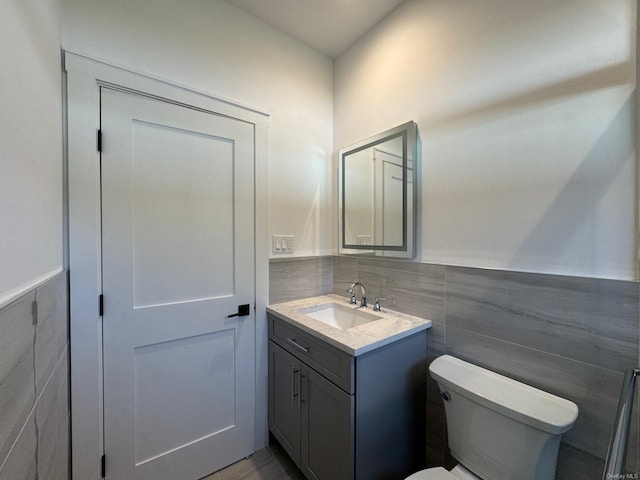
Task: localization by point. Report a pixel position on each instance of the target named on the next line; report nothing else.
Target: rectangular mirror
(378, 194)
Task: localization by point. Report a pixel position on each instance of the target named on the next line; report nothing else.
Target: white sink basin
(339, 316)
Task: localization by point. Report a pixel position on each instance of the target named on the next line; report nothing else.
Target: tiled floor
(270, 463)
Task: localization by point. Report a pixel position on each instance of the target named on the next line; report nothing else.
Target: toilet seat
(437, 473)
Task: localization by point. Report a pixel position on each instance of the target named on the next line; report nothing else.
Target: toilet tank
(499, 428)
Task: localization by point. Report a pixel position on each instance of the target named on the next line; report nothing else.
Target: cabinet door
(284, 399)
(327, 429)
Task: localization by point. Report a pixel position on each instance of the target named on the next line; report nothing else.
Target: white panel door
(178, 259)
(392, 227)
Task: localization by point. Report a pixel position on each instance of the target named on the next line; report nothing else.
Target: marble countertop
(356, 340)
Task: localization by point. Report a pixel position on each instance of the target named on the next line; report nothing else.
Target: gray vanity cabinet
(284, 399)
(341, 417)
(310, 417)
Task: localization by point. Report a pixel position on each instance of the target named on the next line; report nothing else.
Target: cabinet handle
(294, 392)
(293, 342)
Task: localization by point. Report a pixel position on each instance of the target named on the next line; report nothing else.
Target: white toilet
(498, 428)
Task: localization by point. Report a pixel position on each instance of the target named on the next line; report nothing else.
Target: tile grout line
(34, 322)
(34, 407)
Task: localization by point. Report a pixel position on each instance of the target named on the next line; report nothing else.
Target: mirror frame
(411, 154)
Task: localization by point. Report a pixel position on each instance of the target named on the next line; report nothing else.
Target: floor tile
(270, 463)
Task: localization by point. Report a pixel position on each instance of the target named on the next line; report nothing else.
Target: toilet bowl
(439, 473)
(498, 428)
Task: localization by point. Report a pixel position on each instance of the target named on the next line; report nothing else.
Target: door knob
(243, 311)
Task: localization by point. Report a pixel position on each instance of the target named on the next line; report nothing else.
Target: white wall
(525, 111)
(30, 145)
(214, 47)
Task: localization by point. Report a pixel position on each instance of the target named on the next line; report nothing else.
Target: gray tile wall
(34, 384)
(570, 336)
(573, 337)
(295, 278)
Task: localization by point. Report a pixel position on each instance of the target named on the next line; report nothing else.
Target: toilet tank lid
(504, 395)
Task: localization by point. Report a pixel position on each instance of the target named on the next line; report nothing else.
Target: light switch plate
(363, 239)
(282, 244)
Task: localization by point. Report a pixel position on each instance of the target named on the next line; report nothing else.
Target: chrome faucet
(376, 306)
(363, 301)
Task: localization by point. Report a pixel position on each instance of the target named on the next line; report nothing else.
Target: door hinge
(99, 140)
(101, 305)
(103, 467)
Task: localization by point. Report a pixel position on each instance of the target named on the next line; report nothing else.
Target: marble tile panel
(409, 287)
(52, 332)
(436, 426)
(292, 279)
(595, 390)
(345, 272)
(589, 320)
(575, 464)
(17, 391)
(435, 341)
(52, 412)
(61, 467)
(21, 461)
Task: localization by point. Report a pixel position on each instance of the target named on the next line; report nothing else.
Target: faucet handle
(376, 306)
(350, 291)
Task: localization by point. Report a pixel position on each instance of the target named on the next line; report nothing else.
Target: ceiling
(328, 26)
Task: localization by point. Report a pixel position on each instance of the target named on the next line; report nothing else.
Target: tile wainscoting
(570, 336)
(295, 278)
(34, 384)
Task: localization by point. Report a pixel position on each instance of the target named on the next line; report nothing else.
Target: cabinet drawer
(326, 359)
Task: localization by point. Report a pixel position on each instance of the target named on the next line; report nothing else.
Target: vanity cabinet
(311, 417)
(344, 417)
(284, 399)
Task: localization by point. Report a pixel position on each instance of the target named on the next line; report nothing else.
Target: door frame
(84, 77)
